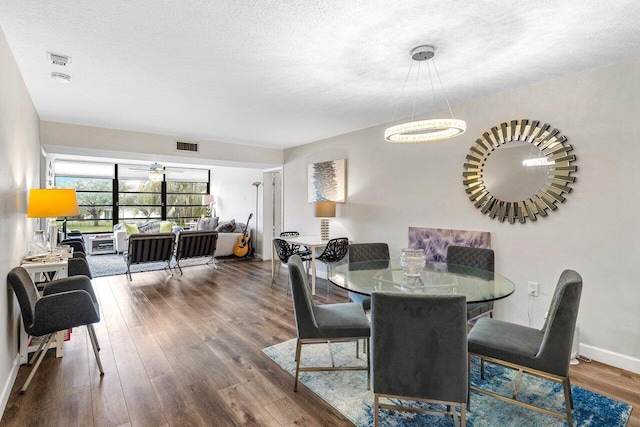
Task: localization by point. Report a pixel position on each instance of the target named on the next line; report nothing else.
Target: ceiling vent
(57, 59)
(187, 146)
(61, 77)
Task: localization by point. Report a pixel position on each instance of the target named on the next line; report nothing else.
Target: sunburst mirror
(519, 170)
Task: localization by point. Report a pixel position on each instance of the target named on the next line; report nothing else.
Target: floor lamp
(256, 184)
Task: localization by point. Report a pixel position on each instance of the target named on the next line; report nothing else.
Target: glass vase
(412, 261)
(38, 243)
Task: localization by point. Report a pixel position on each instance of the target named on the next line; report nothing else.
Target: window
(135, 198)
(93, 183)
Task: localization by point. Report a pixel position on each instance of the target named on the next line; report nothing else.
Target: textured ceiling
(284, 73)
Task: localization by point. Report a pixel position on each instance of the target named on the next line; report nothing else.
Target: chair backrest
(335, 250)
(289, 234)
(560, 324)
(150, 247)
(420, 345)
(26, 293)
(76, 244)
(284, 249)
(377, 255)
(196, 243)
(306, 324)
(479, 258)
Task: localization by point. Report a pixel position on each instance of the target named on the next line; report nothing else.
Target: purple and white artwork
(435, 241)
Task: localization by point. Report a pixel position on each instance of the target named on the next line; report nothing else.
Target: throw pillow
(131, 229)
(207, 223)
(226, 226)
(166, 227)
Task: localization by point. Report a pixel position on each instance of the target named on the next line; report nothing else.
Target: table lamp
(324, 211)
(209, 201)
(52, 203)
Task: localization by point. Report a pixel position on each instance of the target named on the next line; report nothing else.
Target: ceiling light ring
(429, 130)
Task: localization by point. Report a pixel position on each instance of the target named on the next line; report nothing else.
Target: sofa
(229, 232)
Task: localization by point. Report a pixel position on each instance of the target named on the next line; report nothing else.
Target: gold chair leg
(568, 400)
(298, 348)
(368, 366)
(376, 409)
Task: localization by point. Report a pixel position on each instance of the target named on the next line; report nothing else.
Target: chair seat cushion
(476, 309)
(363, 301)
(505, 341)
(341, 320)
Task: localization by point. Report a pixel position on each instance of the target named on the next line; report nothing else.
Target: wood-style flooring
(186, 351)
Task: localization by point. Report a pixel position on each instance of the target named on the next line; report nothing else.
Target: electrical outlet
(532, 289)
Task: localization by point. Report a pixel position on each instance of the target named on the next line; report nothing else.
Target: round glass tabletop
(436, 278)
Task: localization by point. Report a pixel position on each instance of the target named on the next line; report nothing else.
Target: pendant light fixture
(425, 130)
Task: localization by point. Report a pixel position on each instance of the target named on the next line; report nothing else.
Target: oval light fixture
(431, 130)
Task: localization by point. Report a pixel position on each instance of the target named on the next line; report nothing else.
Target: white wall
(236, 197)
(596, 231)
(20, 154)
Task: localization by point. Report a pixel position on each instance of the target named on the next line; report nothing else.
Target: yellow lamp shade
(325, 209)
(52, 203)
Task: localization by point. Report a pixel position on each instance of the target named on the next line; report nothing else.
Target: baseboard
(6, 390)
(610, 358)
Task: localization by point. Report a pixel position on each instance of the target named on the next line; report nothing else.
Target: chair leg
(298, 348)
(179, 269)
(333, 362)
(37, 365)
(368, 365)
(568, 400)
(570, 392)
(463, 416)
(376, 409)
(37, 353)
(94, 343)
(469, 383)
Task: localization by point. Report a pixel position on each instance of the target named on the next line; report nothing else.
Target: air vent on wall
(187, 146)
(57, 59)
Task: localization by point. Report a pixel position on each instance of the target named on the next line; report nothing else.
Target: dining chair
(303, 252)
(480, 258)
(542, 352)
(64, 304)
(343, 322)
(333, 253)
(360, 252)
(78, 265)
(284, 251)
(419, 345)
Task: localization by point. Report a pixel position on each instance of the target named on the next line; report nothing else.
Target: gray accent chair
(324, 323)
(155, 247)
(359, 252)
(65, 303)
(197, 244)
(480, 258)
(544, 353)
(419, 345)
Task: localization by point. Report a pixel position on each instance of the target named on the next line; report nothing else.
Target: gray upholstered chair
(419, 345)
(359, 252)
(324, 323)
(479, 258)
(78, 265)
(333, 253)
(197, 244)
(153, 247)
(545, 353)
(65, 303)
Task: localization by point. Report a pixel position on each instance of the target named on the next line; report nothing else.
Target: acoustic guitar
(242, 247)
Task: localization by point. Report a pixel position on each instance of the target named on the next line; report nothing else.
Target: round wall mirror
(519, 170)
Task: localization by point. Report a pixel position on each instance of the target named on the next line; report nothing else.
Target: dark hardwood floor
(187, 351)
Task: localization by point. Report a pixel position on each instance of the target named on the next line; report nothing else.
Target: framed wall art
(327, 181)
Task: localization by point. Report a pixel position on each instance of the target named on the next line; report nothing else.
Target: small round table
(436, 278)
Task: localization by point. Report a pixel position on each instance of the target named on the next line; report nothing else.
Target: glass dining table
(437, 278)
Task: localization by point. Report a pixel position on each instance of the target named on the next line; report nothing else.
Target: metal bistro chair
(333, 253)
(324, 323)
(543, 353)
(284, 251)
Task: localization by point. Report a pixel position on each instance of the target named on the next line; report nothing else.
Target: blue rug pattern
(347, 392)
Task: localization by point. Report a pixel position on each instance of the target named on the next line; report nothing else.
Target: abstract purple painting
(435, 241)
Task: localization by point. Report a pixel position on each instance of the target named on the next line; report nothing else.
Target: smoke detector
(57, 59)
(61, 77)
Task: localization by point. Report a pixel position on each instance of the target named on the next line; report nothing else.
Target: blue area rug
(114, 264)
(347, 392)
